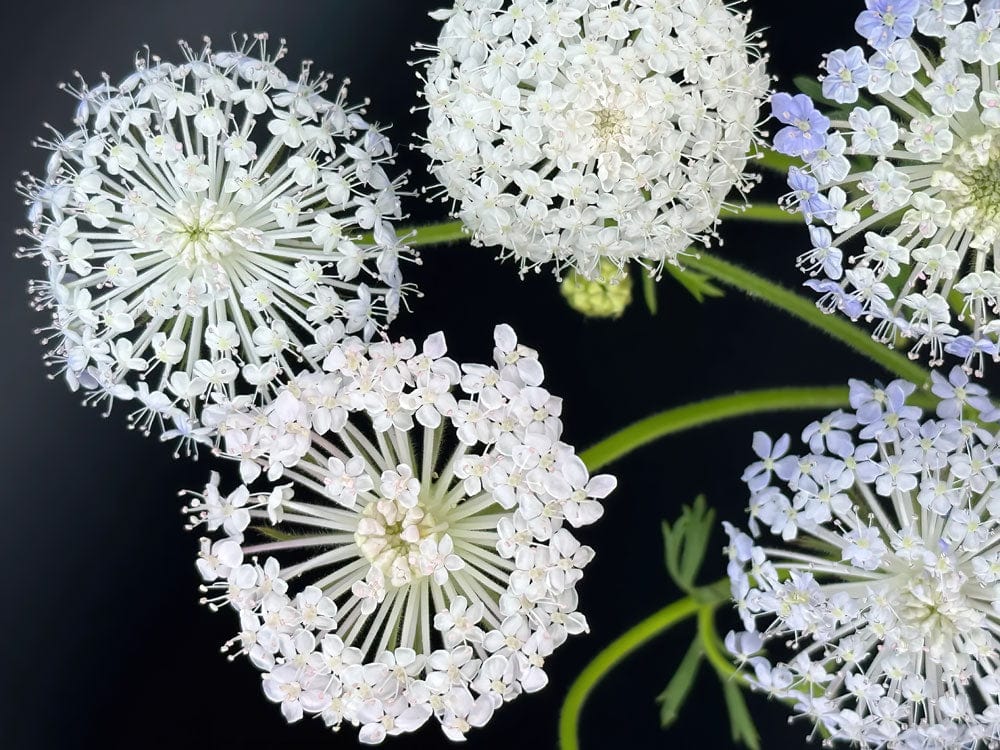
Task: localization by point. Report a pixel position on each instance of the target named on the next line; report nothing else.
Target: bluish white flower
(409, 555)
(906, 159)
(207, 225)
(871, 575)
(569, 131)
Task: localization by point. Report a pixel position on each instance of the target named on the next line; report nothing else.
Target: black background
(102, 641)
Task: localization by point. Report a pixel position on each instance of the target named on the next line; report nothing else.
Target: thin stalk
(434, 234)
(767, 213)
(713, 652)
(706, 412)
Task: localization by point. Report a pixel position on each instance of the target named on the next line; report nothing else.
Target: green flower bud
(604, 297)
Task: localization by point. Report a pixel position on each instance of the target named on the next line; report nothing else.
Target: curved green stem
(713, 651)
(753, 285)
(606, 660)
(709, 411)
(707, 598)
(724, 668)
(804, 309)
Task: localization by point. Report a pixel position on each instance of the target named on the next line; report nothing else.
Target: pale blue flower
(885, 21)
(834, 297)
(847, 70)
(830, 433)
(758, 474)
(806, 196)
(806, 131)
(956, 392)
(972, 349)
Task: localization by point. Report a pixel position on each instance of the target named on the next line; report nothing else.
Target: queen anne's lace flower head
(900, 187)
(872, 571)
(416, 559)
(203, 228)
(575, 130)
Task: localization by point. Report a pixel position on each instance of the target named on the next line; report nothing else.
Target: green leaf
(740, 724)
(810, 87)
(686, 541)
(814, 90)
(649, 292)
(702, 521)
(698, 285)
(673, 698)
(672, 536)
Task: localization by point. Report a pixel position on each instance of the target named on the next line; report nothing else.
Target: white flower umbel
(203, 227)
(872, 572)
(416, 561)
(901, 183)
(573, 130)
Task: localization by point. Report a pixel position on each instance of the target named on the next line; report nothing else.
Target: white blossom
(569, 131)
(879, 605)
(201, 222)
(401, 593)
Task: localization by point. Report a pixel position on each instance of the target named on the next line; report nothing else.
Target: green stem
(708, 598)
(804, 309)
(649, 292)
(710, 643)
(694, 415)
(724, 668)
(766, 213)
(770, 159)
(709, 411)
(434, 234)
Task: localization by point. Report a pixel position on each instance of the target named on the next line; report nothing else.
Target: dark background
(102, 641)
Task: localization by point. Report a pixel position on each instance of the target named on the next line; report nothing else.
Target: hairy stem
(434, 234)
(757, 287)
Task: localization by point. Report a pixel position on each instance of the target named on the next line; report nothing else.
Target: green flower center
(609, 124)
(970, 187)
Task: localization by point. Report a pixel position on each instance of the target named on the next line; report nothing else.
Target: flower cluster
(203, 229)
(574, 130)
(424, 532)
(880, 594)
(899, 186)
